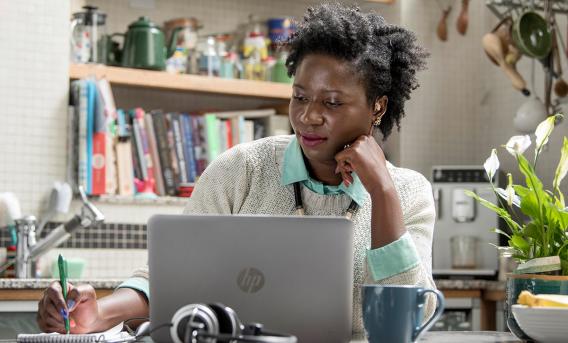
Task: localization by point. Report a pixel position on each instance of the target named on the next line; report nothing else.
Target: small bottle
(10, 272)
(11, 253)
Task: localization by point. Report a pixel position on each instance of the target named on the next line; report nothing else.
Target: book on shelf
(123, 150)
(98, 159)
(159, 181)
(188, 148)
(133, 152)
(110, 123)
(164, 155)
(179, 147)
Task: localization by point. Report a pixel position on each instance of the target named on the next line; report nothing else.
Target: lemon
(542, 300)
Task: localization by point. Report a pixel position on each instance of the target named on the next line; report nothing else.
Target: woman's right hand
(83, 309)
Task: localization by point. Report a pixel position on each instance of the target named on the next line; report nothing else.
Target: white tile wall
(33, 97)
(441, 116)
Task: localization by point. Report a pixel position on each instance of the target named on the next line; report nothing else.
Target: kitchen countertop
(468, 337)
(43, 283)
(489, 285)
(113, 283)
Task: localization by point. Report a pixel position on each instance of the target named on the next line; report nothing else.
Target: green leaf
(500, 211)
(501, 232)
(521, 191)
(557, 217)
(533, 231)
(530, 206)
(520, 243)
(532, 180)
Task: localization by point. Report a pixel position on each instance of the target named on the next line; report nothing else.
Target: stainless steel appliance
(462, 237)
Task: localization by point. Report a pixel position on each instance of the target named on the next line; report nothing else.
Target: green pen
(63, 280)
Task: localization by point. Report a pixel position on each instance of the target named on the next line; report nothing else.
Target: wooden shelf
(132, 200)
(188, 83)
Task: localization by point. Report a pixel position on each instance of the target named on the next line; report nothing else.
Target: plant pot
(536, 284)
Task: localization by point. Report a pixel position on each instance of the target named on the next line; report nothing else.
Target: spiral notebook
(113, 335)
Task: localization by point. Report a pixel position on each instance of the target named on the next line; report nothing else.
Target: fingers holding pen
(52, 309)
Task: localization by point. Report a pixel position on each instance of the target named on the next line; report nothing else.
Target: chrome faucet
(28, 250)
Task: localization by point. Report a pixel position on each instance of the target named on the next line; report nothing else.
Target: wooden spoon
(442, 29)
(493, 47)
(463, 18)
(560, 86)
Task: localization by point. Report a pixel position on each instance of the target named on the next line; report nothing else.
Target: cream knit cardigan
(246, 180)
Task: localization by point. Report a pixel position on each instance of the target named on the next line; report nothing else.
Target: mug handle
(439, 309)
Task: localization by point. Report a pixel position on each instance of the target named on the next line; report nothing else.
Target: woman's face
(329, 107)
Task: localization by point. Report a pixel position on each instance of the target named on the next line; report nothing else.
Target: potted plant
(537, 219)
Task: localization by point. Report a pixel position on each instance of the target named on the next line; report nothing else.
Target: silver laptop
(296, 273)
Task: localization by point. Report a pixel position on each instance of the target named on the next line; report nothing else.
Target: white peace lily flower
(562, 168)
(510, 190)
(491, 164)
(543, 131)
(518, 144)
(515, 199)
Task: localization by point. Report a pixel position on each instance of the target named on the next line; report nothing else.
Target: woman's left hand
(366, 158)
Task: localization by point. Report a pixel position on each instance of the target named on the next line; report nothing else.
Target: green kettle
(144, 46)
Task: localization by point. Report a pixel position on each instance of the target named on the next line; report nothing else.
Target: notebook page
(112, 335)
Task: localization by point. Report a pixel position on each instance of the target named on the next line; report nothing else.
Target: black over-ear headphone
(215, 323)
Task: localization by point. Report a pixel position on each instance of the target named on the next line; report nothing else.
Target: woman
(353, 73)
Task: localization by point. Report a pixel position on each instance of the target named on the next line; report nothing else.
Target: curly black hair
(386, 56)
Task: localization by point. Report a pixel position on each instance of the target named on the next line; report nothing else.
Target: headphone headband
(216, 322)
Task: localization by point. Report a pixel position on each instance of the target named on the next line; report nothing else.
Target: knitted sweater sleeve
(419, 217)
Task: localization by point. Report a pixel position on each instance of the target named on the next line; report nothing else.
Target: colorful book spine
(212, 136)
(90, 128)
(229, 134)
(144, 151)
(188, 147)
(111, 134)
(98, 161)
(153, 146)
(172, 149)
(179, 147)
(73, 136)
(136, 160)
(199, 143)
(123, 149)
(161, 132)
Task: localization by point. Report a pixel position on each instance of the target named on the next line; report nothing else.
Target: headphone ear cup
(197, 313)
(229, 323)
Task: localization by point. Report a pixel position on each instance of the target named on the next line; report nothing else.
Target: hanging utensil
(494, 48)
(463, 18)
(442, 29)
(560, 86)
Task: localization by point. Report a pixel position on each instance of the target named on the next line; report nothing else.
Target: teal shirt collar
(294, 170)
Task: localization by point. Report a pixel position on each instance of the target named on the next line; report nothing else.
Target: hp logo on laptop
(250, 280)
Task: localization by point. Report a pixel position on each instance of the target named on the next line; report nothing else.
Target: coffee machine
(463, 240)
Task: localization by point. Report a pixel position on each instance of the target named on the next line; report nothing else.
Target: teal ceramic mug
(394, 314)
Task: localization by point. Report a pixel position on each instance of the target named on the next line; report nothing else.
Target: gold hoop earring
(377, 122)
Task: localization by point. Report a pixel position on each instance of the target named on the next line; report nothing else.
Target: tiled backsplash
(105, 236)
(110, 251)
